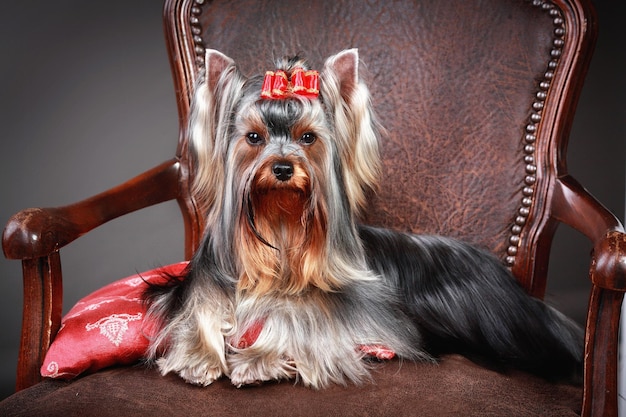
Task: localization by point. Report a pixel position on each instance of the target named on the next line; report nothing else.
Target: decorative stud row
(196, 30)
(530, 134)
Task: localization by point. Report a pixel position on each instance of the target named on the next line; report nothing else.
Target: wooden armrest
(38, 232)
(577, 208)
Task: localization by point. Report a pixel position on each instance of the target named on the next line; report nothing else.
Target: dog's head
(282, 168)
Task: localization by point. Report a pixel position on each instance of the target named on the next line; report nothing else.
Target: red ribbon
(250, 335)
(381, 352)
(277, 85)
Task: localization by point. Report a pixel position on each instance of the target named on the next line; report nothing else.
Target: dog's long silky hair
(285, 284)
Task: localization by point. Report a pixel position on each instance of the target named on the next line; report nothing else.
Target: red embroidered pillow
(105, 328)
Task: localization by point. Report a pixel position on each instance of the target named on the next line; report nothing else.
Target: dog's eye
(308, 138)
(254, 138)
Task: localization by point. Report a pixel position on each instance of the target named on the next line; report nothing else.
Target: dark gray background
(87, 102)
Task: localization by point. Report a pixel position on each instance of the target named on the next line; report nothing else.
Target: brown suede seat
(455, 387)
(477, 99)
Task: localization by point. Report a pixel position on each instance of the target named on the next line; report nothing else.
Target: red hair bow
(277, 84)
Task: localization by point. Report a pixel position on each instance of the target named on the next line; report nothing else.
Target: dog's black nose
(283, 171)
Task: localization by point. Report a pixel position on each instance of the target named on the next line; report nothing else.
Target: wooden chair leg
(600, 394)
(43, 306)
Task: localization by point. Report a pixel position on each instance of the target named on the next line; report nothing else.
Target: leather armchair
(477, 99)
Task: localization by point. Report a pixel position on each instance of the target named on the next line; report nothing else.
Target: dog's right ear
(216, 92)
(215, 63)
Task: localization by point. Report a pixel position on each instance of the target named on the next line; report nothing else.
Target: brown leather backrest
(473, 94)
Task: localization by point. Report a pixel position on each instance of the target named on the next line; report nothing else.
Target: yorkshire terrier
(287, 285)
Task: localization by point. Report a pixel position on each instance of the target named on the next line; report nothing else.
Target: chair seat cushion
(454, 387)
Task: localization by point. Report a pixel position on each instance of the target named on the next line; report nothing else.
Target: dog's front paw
(256, 372)
(200, 373)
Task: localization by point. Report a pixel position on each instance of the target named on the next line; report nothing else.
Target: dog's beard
(280, 205)
(282, 232)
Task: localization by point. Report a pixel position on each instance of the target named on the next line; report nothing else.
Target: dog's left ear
(345, 67)
(347, 99)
